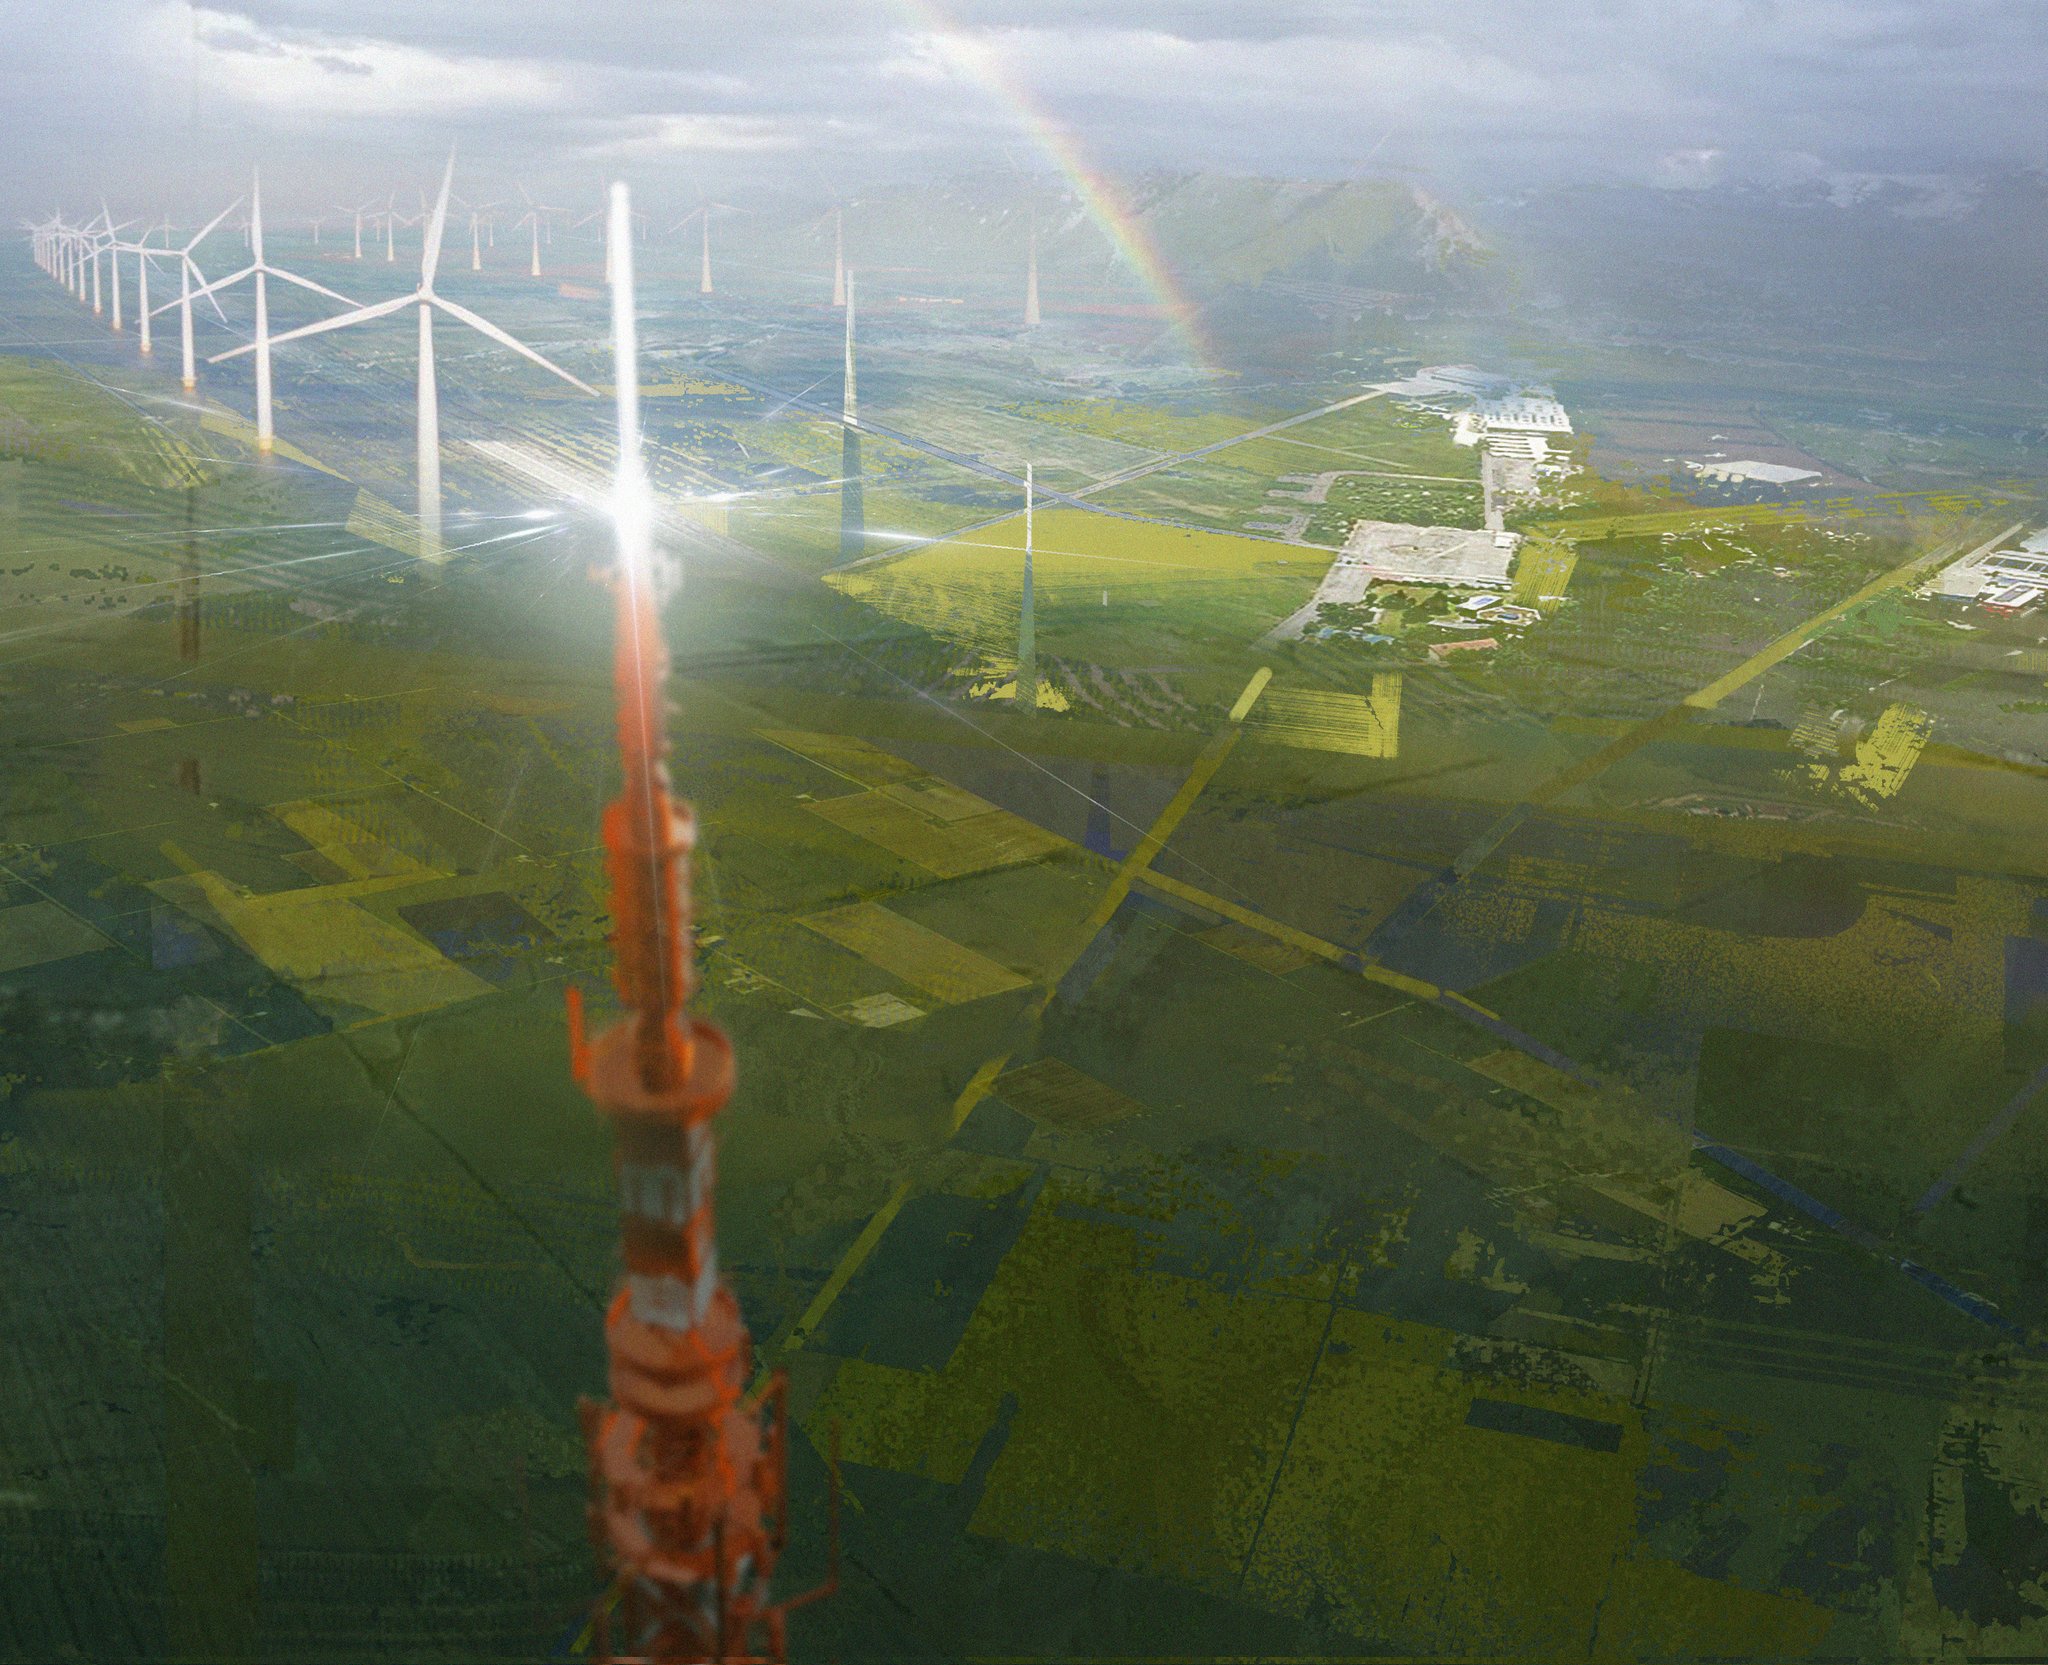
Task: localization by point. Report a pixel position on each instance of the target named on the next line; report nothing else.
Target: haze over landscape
(1363, 688)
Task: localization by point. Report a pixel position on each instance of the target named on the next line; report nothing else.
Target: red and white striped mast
(688, 1470)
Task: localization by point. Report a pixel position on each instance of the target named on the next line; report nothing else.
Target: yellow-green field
(969, 589)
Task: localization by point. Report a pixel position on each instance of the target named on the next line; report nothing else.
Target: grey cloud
(1488, 91)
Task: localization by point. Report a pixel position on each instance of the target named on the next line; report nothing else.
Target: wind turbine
(98, 236)
(110, 235)
(71, 259)
(704, 266)
(142, 251)
(260, 270)
(478, 211)
(68, 270)
(532, 218)
(357, 214)
(429, 410)
(64, 257)
(64, 262)
(188, 269)
(318, 221)
(536, 216)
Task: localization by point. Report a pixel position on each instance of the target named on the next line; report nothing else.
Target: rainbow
(1099, 194)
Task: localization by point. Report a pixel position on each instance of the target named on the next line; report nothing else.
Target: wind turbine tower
(688, 1473)
(704, 279)
(142, 293)
(838, 257)
(852, 513)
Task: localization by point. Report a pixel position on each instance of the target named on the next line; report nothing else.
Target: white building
(2002, 569)
(1529, 410)
(1750, 471)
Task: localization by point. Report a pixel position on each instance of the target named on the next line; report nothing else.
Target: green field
(1290, 1150)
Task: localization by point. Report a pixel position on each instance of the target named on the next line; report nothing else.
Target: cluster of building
(2011, 580)
(1514, 425)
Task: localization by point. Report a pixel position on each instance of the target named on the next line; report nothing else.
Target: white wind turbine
(479, 212)
(115, 249)
(188, 269)
(50, 240)
(84, 255)
(536, 216)
(703, 215)
(67, 257)
(71, 259)
(64, 256)
(259, 269)
(357, 214)
(426, 299)
(75, 241)
(99, 237)
(142, 251)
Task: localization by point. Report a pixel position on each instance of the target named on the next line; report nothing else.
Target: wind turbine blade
(207, 289)
(485, 327)
(222, 283)
(308, 283)
(431, 257)
(210, 224)
(340, 320)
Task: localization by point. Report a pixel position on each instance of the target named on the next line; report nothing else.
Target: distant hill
(1214, 231)
(1914, 269)
(1368, 233)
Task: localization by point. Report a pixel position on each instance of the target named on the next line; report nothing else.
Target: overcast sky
(345, 98)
